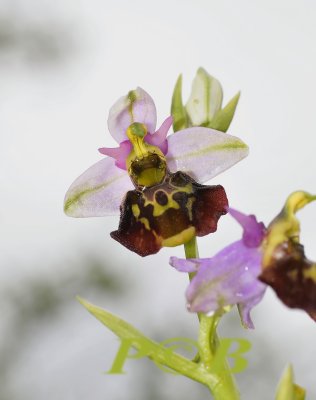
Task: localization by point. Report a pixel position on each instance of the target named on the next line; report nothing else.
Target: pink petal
(136, 106)
(159, 138)
(203, 153)
(98, 192)
(253, 231)
(119, 153)
(188, 265)
(228, 278)
(245, 308)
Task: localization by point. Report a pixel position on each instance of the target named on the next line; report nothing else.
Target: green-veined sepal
(204, 153)
(97, 192)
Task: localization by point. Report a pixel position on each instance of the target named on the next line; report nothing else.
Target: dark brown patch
(161, 197)
(210, 204)
(287, 274)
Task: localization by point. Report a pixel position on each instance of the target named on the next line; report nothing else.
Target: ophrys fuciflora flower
(155, 180)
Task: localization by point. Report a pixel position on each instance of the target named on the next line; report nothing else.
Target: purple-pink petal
(245, 308)
(120, 153)
(253, 231)
(228, 278)
(183, 265)
(159, 138)
(136, 106)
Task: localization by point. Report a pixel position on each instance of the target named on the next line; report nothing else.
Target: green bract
(287, 389)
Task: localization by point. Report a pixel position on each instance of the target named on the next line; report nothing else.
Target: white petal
(204, 153)
(98, 192)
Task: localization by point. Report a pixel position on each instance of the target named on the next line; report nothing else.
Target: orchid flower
(240, 273)
(151, 178)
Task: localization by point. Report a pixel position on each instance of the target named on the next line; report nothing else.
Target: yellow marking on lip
(135, 210)
(159, 209)
(310, 273)
(180, 238)
(145, 222)
(189, 206)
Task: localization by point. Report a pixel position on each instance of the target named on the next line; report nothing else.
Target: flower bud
(204, 107)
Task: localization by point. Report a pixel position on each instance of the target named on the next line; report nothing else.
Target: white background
(53, 118)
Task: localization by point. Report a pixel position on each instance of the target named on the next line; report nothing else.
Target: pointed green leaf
(287, 389)
(223, 117)
(155, 351)
(205, 99)
(121, 328)
(178, 112)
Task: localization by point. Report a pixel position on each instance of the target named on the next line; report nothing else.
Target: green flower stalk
(204, 109)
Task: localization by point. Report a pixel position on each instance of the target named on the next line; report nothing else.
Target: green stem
(190, 248)
(208, 342)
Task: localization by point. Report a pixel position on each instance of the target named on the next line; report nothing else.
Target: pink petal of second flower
(253, 231)
(119, 153)
(159, 138)
(182, 265)
(245, 308)
(228, 278)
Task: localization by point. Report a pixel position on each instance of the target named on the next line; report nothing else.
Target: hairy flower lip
(169, 214)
